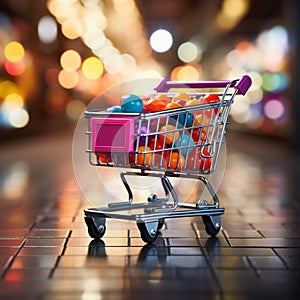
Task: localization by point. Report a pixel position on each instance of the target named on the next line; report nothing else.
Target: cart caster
(161, 223)
(212, 224)
(148, 231)
(96, 227)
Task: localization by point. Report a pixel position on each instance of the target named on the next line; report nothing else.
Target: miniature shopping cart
(181, 142)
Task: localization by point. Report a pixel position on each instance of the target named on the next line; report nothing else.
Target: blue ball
(131, 104)
(186, 142)
(185, 119)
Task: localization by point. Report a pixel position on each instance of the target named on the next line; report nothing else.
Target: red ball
(198, 163)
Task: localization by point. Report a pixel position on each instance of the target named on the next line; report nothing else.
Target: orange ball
(202, 119)
(182, 96)
(160, 160)
(168, 137)
(105, 158)
(164, 98)
(144, 159)
(192, 102)
(175, 161)
(157, 104)
(172, 105)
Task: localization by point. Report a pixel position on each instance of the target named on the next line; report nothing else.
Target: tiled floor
(46, 253)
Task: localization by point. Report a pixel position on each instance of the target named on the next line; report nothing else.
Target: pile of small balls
(168, 147)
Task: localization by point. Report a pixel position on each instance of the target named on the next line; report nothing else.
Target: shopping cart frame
(150, 215)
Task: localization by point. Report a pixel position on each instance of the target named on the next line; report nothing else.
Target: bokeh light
(70, 60)
(118, 55)
(265, 60)
(161, 40)
(235, 59)
(254, 96)
(15, 68)
(273, 46)
(15, 183)
(47, 29)
(18, 118)
(14, 51)
(94, 38)
(186, 73)
(71, 29)
(231, 13)
(275, 82)
(188, 52)
(8, 87)
(274, 109)
(13, 101)
(92, 68)
(68, 78)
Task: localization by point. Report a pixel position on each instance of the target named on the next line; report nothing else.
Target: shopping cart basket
(184, 142)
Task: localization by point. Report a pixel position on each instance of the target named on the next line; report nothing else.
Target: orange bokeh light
(68, 78)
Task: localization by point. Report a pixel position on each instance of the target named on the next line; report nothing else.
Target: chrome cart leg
(153, 197)
(128, 189)
(169, 189)
(212, 223)
(210, 189)
(168, 186)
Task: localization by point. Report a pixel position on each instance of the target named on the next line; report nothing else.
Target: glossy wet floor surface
(46, 252)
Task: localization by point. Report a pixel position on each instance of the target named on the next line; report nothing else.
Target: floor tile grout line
(253, 267)
(128, 238)
(282, 260)
(59, 256)
(10, 262)
(226, 238)
(210, 267)
(252, 226)
(259, 232)
(78, 209)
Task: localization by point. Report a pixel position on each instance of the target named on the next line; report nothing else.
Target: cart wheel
(148, 231)
(161, 223)
(96, 227)
(212, 224)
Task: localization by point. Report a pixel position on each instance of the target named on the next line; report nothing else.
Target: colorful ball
(157, 104)
(185, 144)
(131, 104)
(143, 138)
(184, 119)
(182, 96)
(175, 161)
(169, 134)
(144, 159)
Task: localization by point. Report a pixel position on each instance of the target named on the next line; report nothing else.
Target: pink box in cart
(112, 134)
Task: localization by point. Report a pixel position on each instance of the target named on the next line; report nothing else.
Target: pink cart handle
(242, 84)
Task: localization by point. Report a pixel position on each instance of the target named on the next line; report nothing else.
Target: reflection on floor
(46, 253)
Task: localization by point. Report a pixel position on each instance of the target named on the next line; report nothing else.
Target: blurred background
(57, 55)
